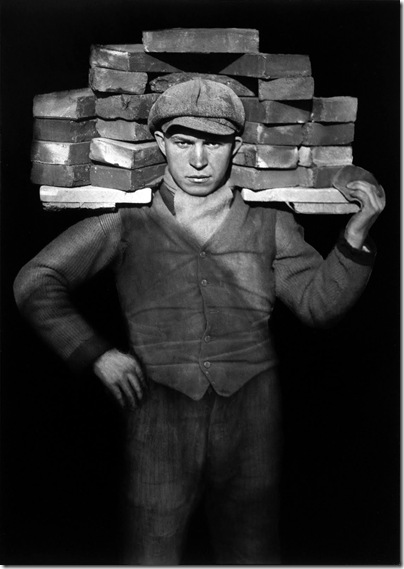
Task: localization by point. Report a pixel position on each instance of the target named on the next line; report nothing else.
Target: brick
(132, 57)
(316, 134)
(60, 152)
(322, 176)
(60, 174)
(128, 57)
(93, 194)
(266, 156)
(202, 40)
(325, 208)
(125, 154)
(129, 107)
(254, 179)
(160, 84)
(286, 89)
(64, 130)
(63, 206)
(123, 179)
(114, 81)
(74, 104)
(334, 109)
(295, 195)
(274, 112)
(269, 66)
(325, 155)
(118, 129)
(288, 135)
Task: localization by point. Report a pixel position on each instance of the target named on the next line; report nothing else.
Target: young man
(197, 274)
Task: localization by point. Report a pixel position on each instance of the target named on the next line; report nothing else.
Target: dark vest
(198, 316)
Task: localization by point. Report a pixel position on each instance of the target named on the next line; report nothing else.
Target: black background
(61, 455)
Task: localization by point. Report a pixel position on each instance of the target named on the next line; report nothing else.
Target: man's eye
(212, 144)
(182, 143)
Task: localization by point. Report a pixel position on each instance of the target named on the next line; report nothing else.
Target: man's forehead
(191, 134)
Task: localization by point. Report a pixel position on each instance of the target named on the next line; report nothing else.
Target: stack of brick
(125, 156)
(293, 142)
(64, 124)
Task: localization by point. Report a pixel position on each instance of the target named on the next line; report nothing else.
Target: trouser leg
(165, 449)
(243, 474)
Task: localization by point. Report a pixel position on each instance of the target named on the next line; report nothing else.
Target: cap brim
(200, 124)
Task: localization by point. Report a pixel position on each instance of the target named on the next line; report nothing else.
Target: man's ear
(238, 141)
(161, 141)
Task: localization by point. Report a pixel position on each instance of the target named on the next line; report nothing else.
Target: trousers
(225, 451)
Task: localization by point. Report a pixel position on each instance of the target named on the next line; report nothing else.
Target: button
(204, 282)
(208, 338)
(207, 364)
(202, 254)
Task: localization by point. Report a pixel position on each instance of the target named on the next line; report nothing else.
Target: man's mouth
(198, 179)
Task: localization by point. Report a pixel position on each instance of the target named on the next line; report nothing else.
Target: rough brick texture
(64, 130)
(122, 179)
(74, 104)
(325, 155)
(128, 57)
(202, 40)
(160, 84)
(269, 66)
(288, 135)
(325, 208)
(60, 174)
(128, 107)
(123, 130)
(316, 134)
(286, 89)
(93, 195)
(295, 195)
(125, 154)
(274, 112)
(113, 81)
(334, 109)
(60, 152)
(262, 179)
(266, 156)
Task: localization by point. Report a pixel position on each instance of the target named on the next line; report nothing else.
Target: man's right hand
(123, 377)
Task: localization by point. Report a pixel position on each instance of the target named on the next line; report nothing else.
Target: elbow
(25, 283)
(324, 320)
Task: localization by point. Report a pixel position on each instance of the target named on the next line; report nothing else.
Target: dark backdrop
(61, 455)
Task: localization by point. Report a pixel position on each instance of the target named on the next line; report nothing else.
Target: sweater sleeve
(44, 285)
(319, 291)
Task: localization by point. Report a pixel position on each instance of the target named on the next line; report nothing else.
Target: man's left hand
(372, 200)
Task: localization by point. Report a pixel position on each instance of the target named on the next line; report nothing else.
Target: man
(197, 274)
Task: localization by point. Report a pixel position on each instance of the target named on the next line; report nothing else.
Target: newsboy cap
(199, 104)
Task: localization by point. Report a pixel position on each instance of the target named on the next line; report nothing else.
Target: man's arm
(320, 291)
(373, 201)
(43, 291)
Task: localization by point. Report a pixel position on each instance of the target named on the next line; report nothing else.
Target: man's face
(197, 161)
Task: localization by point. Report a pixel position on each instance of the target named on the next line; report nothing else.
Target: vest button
(202, 254)
(208, 338)
(204, 282)
(207, 364)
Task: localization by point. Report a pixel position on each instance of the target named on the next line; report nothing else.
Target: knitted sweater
(196, 315)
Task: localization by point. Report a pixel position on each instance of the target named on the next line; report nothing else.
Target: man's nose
(199, 157)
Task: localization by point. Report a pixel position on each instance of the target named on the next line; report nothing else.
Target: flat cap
(200, 104)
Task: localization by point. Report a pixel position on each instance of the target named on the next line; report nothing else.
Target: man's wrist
(356, 241)
(364, 256)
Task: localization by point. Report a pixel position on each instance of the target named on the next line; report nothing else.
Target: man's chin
(199, 188)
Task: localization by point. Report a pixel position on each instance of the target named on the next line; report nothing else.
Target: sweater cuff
(364, 256)
(83, 357)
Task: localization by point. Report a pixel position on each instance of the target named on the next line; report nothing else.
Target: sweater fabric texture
(197, 310)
